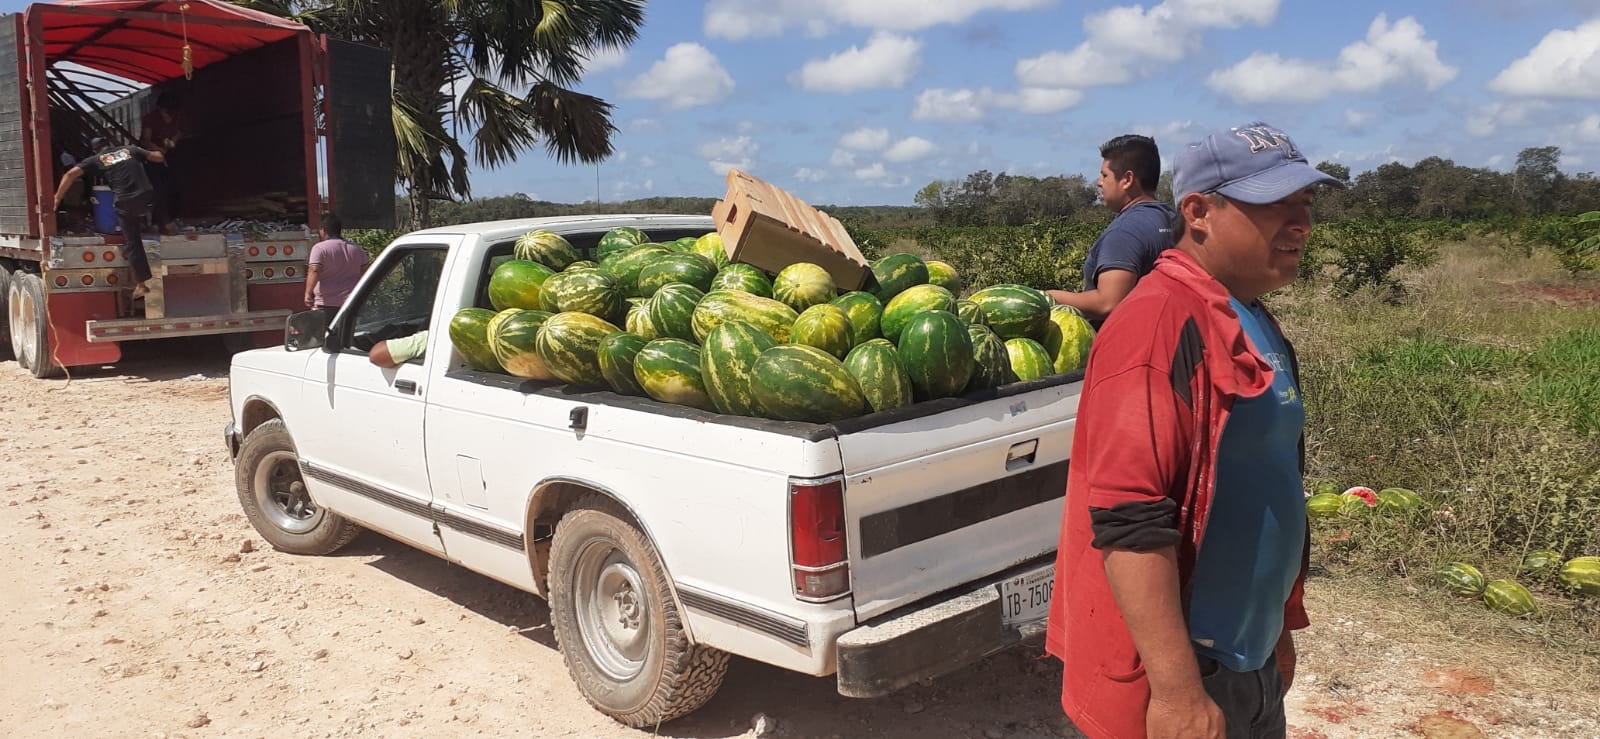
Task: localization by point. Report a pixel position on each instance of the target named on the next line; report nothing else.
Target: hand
(1286, 660)
(1184, 717)
(311, 301)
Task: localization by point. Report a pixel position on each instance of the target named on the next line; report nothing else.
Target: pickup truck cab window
(399, 301)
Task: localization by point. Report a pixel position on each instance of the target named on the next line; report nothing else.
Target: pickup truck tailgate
(941, 500)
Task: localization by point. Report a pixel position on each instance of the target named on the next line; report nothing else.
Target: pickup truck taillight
(818, 556)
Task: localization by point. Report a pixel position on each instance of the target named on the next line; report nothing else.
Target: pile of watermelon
(679, 323)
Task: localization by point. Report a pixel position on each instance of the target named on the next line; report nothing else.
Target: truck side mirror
(305, 330)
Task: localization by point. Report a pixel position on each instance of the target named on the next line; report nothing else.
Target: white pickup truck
(885, 549)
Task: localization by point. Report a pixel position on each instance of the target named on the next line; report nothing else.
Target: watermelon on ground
(1581, 575)
(469, 334)
(795, 382)
(826, 327)
(545, 247)
(1540, 564)
(1461, 578)
(875, 364)
(516, 284)
(727, 357)
(616, 354)
(937, 353)
(1395, 501)
(515, 344)
(1509, 597)
(896, 273)
(802, 285)
(569, 344)
(669, 371)
(1324, 505)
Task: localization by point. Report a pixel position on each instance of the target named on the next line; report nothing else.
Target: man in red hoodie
(1184, 539)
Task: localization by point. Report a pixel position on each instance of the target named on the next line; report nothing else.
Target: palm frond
(505, 123)
(575, 127)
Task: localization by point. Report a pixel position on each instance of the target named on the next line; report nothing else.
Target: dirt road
(139, 603)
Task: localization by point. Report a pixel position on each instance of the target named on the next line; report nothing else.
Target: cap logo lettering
(1261, 138)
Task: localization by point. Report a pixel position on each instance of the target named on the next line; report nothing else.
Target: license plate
(1026, 597)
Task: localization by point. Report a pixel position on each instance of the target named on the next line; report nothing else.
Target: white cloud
(644, 124)
(688, 76)
(807, 174)
(1357, 118)
(874, 172)
(939, 104)
(886, 62)
(1391, 53)
(722, 154)
(865, 139)
(842, 158)
(1490, 117)
(647, 161)
(605, 59)
(1125, 41)
(1586, 131)
(1039, 100)
(909, 149)
(1563, 64)
(742, 19)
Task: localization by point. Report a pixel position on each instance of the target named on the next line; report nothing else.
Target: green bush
(373, 240)
(1369, 251)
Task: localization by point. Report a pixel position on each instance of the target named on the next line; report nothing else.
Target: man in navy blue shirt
(1130, 168)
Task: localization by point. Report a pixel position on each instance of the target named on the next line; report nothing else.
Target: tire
(620, 632)
(5, 300)
(30, 325)
(275, 499)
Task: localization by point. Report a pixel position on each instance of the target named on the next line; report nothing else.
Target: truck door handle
(1022, 454)
(408, 387)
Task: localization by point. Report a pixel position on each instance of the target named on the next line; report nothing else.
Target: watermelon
(669, 371)
(1351, 504)
(826, 327)
(549, 290)
(514, 343)
(618, 240)
(945, 276)
(865, 313)
(937, 353)
(1323, 485)
(710, 247)
(721, 306)
(673, 246)
(1461, 578)
(1029, 359)
(1324, 505)
(469, 334)
(546, 248)
(1067, 339)
(685, 244)
(967, 311)
(1014, 311)
(991, 363)
(672, 310)
(795, 382)
(581, 265)
(1398, 500)
(743, 277)
(911, 301)
(895, 273)
(589, 291)
(516, 283)
(569, 344)
(875, 364)
(727, 357)
(1540, 564)
(691, 269)
(802, 285)
(638, 320)
(616, 354)
(1581, 574)
(626, 265)
(1509, 597)
(495, 322)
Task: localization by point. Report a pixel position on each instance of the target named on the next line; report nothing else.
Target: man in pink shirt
(335, 267)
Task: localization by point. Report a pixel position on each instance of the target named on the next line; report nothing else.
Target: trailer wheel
(275, 499)
(30, 334)
(5, 300)
(620, 632)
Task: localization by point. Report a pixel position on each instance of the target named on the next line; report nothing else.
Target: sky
(851, 102)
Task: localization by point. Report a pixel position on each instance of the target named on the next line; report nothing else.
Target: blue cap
(1254, 163)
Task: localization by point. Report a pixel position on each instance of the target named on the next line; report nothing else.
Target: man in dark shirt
(123, 170)
(160, 130)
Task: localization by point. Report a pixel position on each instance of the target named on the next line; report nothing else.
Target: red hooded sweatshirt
(1162, 377)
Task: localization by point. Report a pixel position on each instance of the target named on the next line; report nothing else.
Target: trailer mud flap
(69, 317)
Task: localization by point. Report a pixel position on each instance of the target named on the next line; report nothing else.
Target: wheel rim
(24, 336)
(281, 494)
(614, 613)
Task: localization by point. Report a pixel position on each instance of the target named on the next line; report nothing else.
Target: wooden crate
(763, 226)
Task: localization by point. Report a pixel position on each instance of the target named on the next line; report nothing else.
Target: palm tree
(496, 71)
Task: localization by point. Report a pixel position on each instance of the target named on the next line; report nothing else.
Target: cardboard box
(763, 226)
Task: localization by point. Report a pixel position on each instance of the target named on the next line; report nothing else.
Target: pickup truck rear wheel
(620, 632)
(275, 499)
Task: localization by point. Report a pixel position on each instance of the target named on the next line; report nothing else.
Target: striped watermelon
(991, 363)
(1461, 578)
(795, 382)
(616, 354)
(569, 344)
(710, 247)
(865, 313)
(589, 291)
(672, 310)
(1324, 505)
(669, 371)
(1581, 574)
(826, 327)
(514, 343)
(1540, 564)
(1398, 500)
(685, 243)
(727, 358)
(1509, 597)
(742, 277)
(546, 248)
(945, 276)
(581, 265)
(937, 353)
(495, 322)
(721, 306)
(625, 265)
(911, 301)
(802, 285)
(895, 273)
(639, 321)
(516, 283)
(691, 269)
(1029, 360)
(967, 311)
(875, 364)
(549, 290)
(618, 240)
(469, 334)
(1014, 311)
(1067, 339)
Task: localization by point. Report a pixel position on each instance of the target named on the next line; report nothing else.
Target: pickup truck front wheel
(275, 499)
(620, 633)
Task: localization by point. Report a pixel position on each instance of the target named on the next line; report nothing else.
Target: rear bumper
(931, 639)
